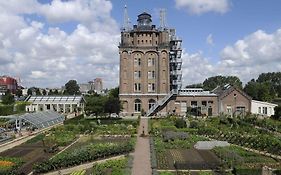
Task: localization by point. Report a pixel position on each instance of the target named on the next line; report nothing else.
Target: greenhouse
(42, 119)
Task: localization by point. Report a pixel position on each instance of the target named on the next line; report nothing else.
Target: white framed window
(151, 62)
(151, 87)
(151, 75)
(137, 87)
(259, 110)
(264, 110)
(151, 102)
(137, 74)
(137, 60)
(229, 109)
(137, 105)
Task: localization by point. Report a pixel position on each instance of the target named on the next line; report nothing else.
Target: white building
(62, 104)
(262, 108)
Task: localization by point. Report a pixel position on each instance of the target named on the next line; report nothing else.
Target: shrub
(180, 123)
(171, 135)
(6, 109)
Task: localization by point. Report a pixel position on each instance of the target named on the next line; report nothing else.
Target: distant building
(98, 86)
(3, 89)
(262, 108)
(85, 88)
(8, 83)
(61, 104)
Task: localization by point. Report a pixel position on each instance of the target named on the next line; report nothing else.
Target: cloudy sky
(46, 43)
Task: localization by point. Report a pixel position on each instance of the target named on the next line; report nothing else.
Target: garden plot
(188, 159)
(29, 153)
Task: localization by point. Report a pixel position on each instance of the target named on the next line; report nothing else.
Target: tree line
(267, 87)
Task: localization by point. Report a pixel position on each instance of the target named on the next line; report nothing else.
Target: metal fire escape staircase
(175, 72)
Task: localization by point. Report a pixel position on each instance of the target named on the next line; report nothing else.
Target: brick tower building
(150, 66)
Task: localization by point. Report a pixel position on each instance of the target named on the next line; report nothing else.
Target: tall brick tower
(147, 73)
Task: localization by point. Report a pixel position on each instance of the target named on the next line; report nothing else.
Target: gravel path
(141, 163)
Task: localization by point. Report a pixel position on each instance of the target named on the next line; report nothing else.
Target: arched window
(151, 102)
(137, 105)
(125, 106)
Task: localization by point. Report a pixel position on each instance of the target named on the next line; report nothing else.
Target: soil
(190, 159)
(30, 153)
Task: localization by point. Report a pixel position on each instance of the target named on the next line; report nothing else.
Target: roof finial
(126, 20)
(163, 22)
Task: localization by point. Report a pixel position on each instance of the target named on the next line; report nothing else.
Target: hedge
(6, 109)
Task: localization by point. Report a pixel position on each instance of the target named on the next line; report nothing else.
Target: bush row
(81, 155)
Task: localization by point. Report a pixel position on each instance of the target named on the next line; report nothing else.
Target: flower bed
(9, 166)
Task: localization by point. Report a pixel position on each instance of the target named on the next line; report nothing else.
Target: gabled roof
(223, 91)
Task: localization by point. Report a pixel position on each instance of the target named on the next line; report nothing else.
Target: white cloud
(256, 53)
(210, 40)
(48, 56)
(203, 6)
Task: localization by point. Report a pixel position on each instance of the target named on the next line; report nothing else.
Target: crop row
(85, 154)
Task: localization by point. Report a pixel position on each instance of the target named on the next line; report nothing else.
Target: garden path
(141, 163)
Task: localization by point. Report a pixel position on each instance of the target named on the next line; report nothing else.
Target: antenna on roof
(126, 20)
(163, 22)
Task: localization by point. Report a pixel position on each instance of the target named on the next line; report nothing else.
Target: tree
(95, 104)
(277, 113)
(18, 92)
(199, 85)
(262, 91)
(71, 88)
(212, 82)
(37, 91)
(29, 91)
(44, 92)
(112, 105)
(114, 92)
(8, 98)
(56, 92)
(274, 81)
(33, 90)
(251, 88)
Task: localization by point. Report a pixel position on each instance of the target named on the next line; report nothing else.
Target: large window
(264, 110)
(151, 75)
(137, 87)
(137, 60)
(137, 74)
(151, 87)
(151, 102)
(193, 104)
(151, 62)
(137, 105)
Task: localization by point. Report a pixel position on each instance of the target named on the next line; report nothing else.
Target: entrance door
(210, 111)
